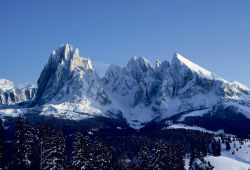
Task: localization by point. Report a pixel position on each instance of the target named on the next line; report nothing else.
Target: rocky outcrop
(67, 77)
(10, 94)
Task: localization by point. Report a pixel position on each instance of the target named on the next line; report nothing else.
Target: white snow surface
(243, 153)
(194, 113)
(225, 163)
(183, 126)
(82, 109)
(12, 112)
(228, 161)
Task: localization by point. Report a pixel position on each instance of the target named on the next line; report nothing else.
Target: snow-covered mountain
(11, 94)
(69, 83)
(69, 87)
(164, 90)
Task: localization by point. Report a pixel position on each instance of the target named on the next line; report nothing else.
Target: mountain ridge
(69, 87)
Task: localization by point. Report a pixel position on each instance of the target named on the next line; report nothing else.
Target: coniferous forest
(46, 147)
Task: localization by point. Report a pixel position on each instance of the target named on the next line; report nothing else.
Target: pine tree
(124, 163)
(165, 156)
(28, 143)
(143, 159)
(161, 157)
(216, 147)
(81, 156)
(228, 145)
(23, 147)
(53, 148)
(178, 158)
(193, 156)
(40, 132)
(2, 161)
(103, 156)
(197, 162)
(18, 145)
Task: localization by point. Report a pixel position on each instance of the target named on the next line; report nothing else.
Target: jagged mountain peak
(183, 64)
(157, 63)
(64, 65)
(62, 53)
(139, 59)
(6, 84)
(68, 56)
(139, 63)
(12, 94)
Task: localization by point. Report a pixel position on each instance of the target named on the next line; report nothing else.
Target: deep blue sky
(214, 34)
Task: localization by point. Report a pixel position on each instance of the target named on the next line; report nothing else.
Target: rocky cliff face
(70, 82)
(10, 94)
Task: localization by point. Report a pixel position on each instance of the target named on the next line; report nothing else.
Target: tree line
(45, 147)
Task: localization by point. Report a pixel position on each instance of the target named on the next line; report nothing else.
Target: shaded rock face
(138, 80)
(68, 77)
(9, 94)
(190, 79)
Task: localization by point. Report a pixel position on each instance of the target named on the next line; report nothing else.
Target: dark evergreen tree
(52, 150)
(143, 159)
(124, 163)
(81, 152)
(162, 156)
(28, 146)
(40, 132)
(23, 146)
(2, 161)
(227, 145)
(103, 156)
(216, 147)
(197, 161)
(178, 159)
(17, 162)
(194, 155)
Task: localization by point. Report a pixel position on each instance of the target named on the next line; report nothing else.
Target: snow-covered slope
(237, 158)
(225, 163)
(11, 94)
(241, 151)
